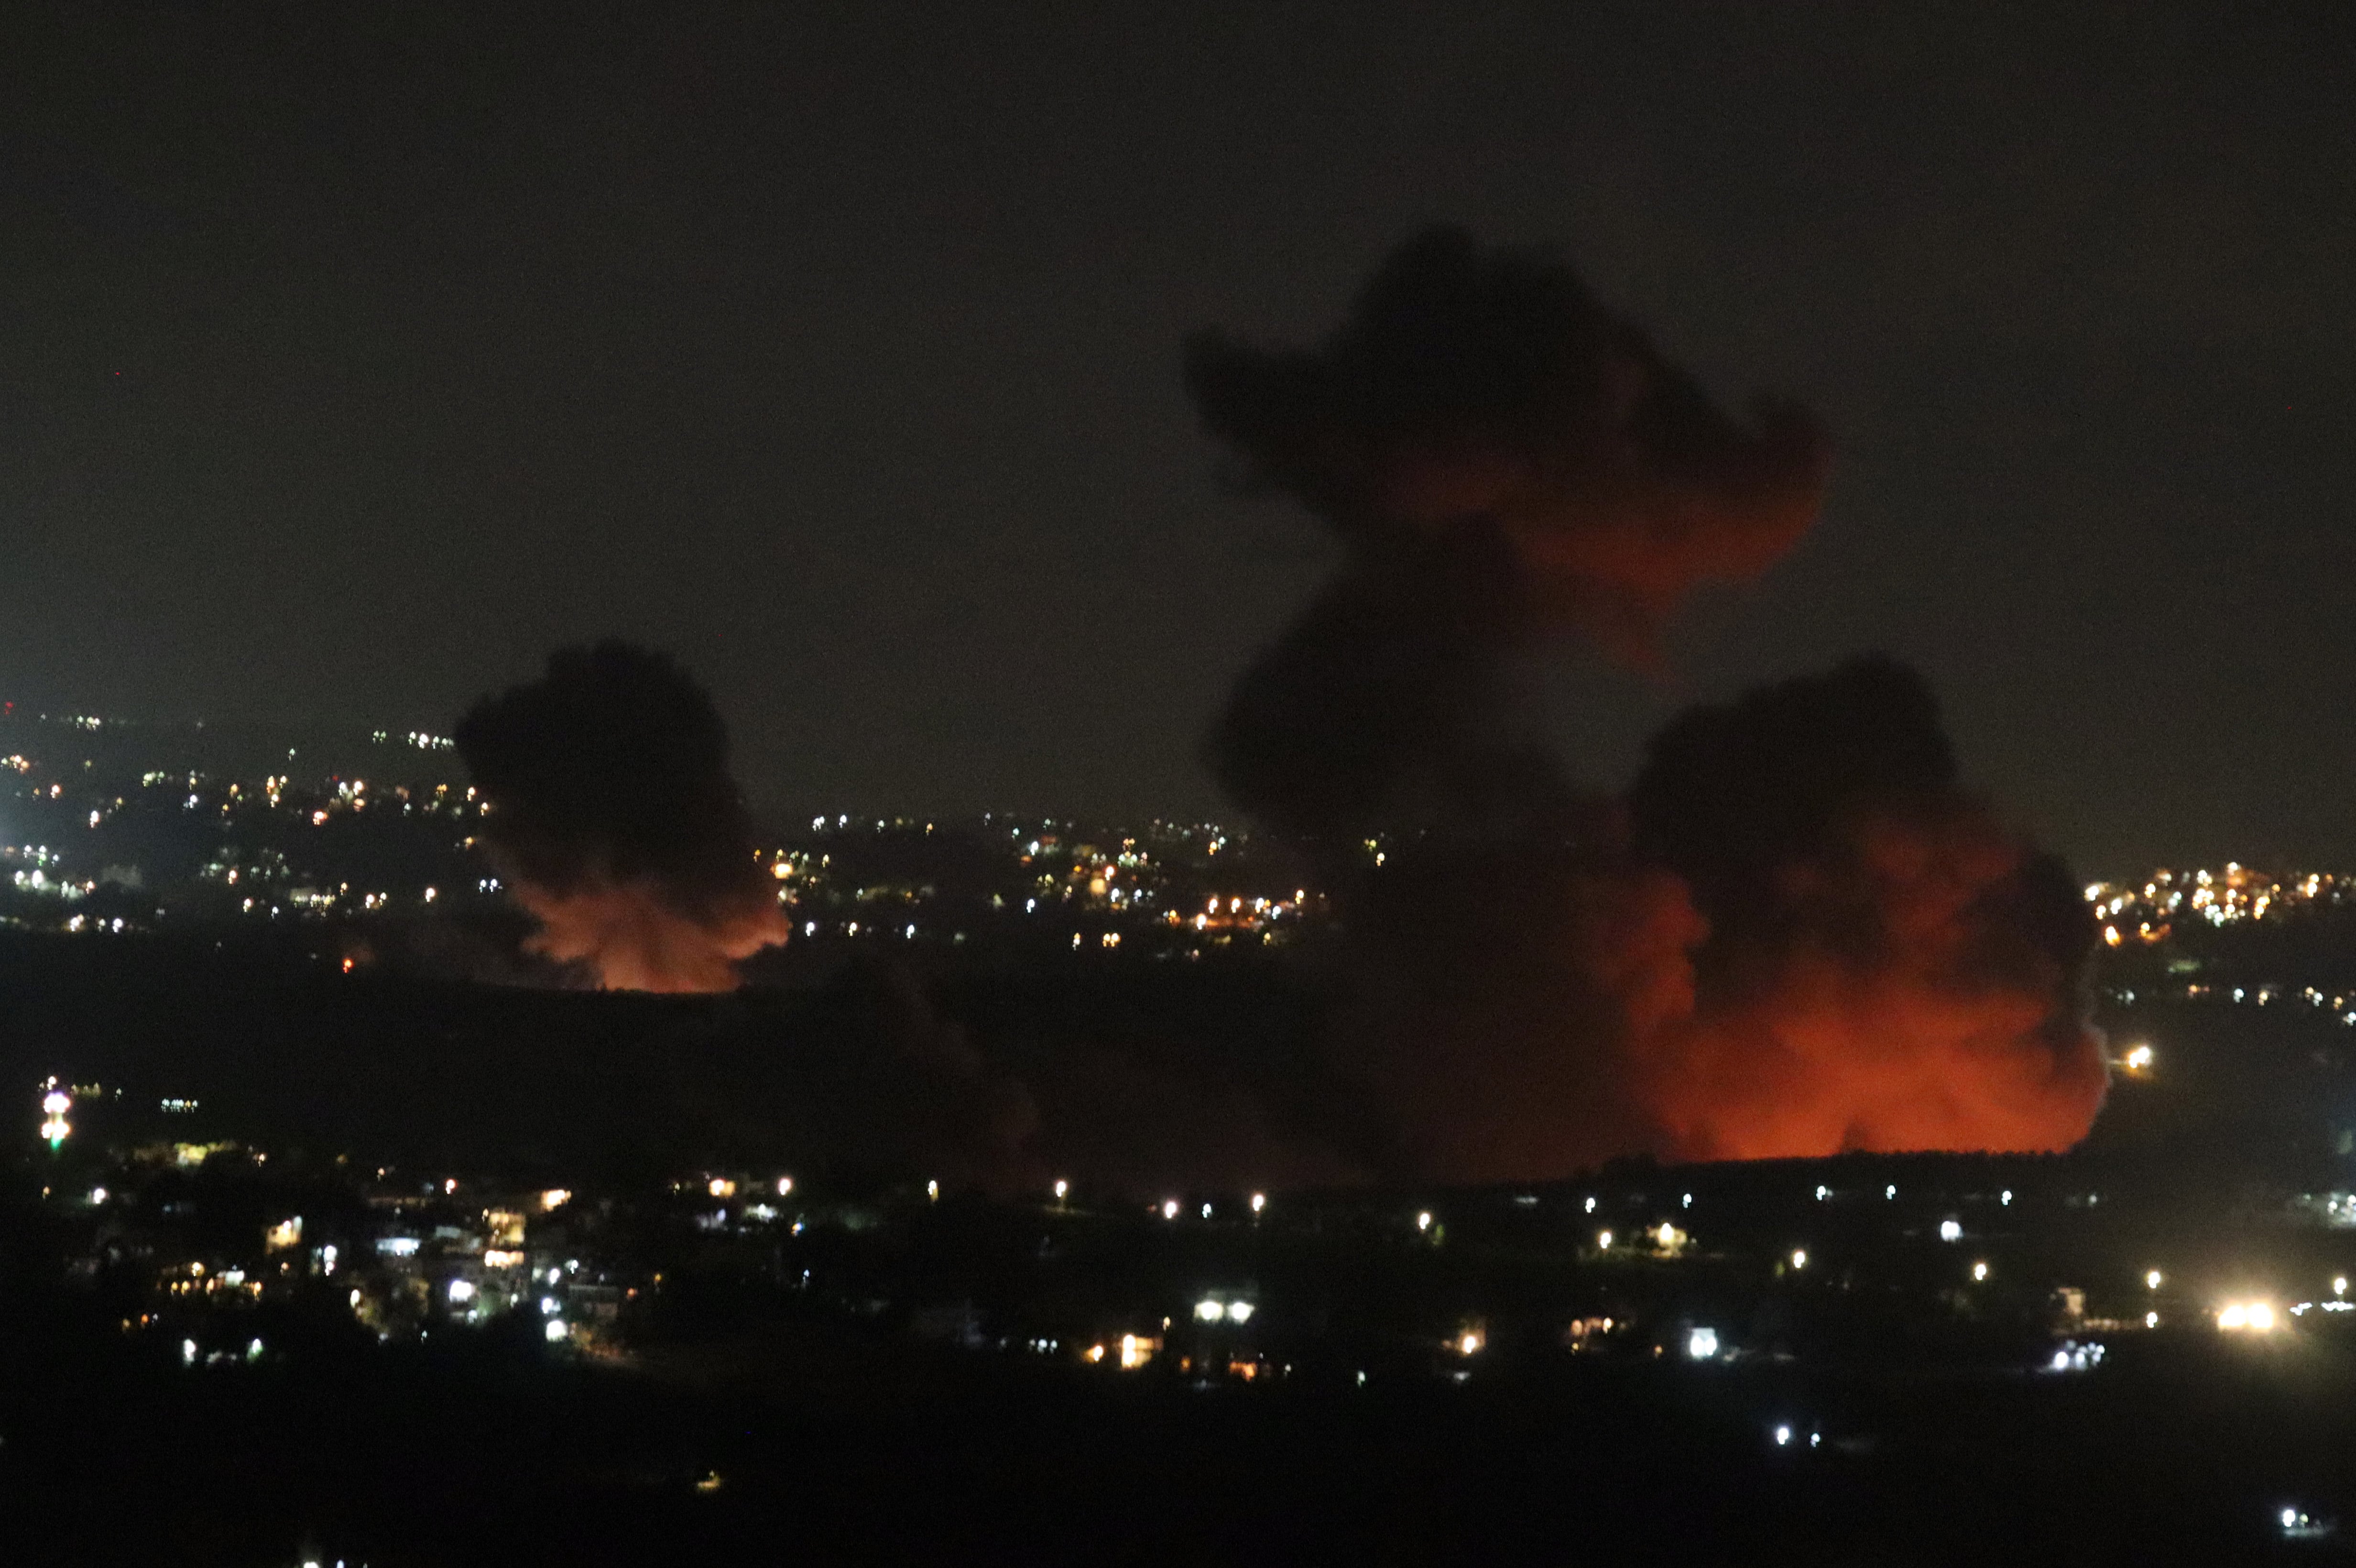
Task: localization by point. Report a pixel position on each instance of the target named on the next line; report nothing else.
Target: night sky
(351, 358)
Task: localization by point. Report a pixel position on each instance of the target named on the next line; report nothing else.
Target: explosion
(1881, 967)
(1798, 935)
(614, 819)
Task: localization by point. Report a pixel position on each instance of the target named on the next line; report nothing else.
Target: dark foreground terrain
(804, 1448)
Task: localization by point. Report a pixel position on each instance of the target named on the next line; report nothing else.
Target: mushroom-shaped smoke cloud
(1799, 936)
(614, 818)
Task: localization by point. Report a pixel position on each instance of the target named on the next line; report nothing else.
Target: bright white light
(1782, 1436)
(2139, 1058)
(98, 1195)
(1688, 1203)
(1951, 1231)
(1891, 1192)
(1210, 1311)
(1979, 1271)
(187, 1352)
(1603, 1240)
(2151, 1319)
(462, 1290)
(1170, 1208)
(1206, 1211)
(721, 1187)
(1063, 1191)
(933, 1190)
(1240, 1311)
(556, 1329)
(2152, 1281)
(785, 1185)
(2234, 1316)
(2340, 1284)
(1260, 1201)
(548, 1306)
(1701, 1344)
(2289, 1517)
(2262, 1316)
(555, 1198)
(1799, 1257)
(1590, 1205)
(1423, 1221)
(1822, 1193)
(57, 1103)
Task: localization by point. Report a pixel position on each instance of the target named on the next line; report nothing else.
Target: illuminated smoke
(1885, 966)
(1798, 937)
(616, 823)
(1490, 385)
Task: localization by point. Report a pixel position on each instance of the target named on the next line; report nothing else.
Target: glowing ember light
(721, 1187)
(2137, 1060)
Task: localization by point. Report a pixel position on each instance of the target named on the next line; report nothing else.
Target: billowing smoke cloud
(616, 824)
(1884, 966)
(1836, 950)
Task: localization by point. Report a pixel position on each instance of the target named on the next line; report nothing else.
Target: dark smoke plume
(1491, 385)
(1885, 967)
(1798, 937)
(615, 820)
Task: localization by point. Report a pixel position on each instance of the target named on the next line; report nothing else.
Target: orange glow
(635, 940)
(1895, 1012)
